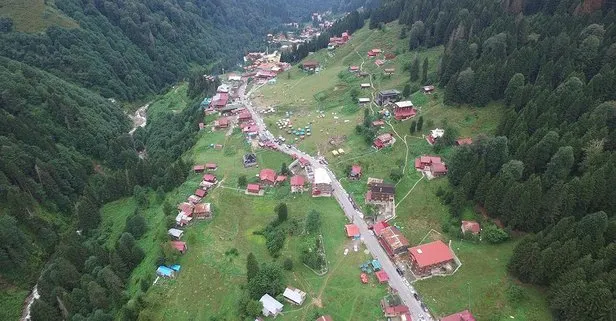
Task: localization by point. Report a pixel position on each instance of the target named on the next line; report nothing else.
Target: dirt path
(409, 192)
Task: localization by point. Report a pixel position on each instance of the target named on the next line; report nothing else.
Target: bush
(287, 264)
(136, 225)
(395, 174)
(493, 234)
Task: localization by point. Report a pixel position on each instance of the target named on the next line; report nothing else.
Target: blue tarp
(376, 264)
(206, 101)
(175, 267)
(165, 271)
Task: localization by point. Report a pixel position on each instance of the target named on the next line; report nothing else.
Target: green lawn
(482, 284)
(34, 15)
(11, 302)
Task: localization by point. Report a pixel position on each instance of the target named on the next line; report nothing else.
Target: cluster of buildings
(263, 66)
(192, 209)
(335, 41)
(273, 307)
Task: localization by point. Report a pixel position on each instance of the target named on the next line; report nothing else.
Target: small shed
(364, 278)
(381, 276)
(180, 246)
(175, 233)
(165, 272)
(293, 295)
(253, 188)
(363, 100)
(470, 226)
(365, 85)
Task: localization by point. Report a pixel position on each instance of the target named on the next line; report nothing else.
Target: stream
(139, 118)
(28, 304)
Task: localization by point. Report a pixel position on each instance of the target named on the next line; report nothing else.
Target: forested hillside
(551, 169)
(65, 147)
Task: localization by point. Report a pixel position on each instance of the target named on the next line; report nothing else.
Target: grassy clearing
(482, 283)
(11, 303)
(175, 100)
(34, 15)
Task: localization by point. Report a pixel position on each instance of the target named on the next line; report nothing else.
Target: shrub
(287, 264)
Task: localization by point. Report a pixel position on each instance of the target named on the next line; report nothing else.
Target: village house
(363, 100)
(211, 166)
(325, 318)
(352, 230)
(378, 227)
(363, 74)
(379, 62)
(297, 184)
(434, 135)
(219, 100)
(393, 242)
(464, 141)
(355, 173)
(194, 199)
(175, 233)
(182, 219)
(365, 85)
(380, 192)
(244, 116)
(383, 140)
(303, 162)
(428, 89)
(271, 307)
(378, 123)
(374, 52)
(404, 110)
(249, 160)
(200, 193)
(310, 65)
(198, 168)
(253, 189)
(186, 208)
(322, 185)
(267, 176)
(465, 315)
(390, 56)
(387, 96)
(432, 165)
(429, 257)
(180, 246)
(381, 276)
(393, 311)
(470, 226)
(354, 68)
(223, 88)
(293, 295)
(209, 178)
(165, 272)
(203, 211)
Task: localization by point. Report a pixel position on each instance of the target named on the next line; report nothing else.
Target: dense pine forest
(65, 147)
(550, 170)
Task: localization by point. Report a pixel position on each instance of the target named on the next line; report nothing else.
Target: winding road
(401, 285)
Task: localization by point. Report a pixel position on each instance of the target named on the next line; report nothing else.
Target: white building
(437, 133)
(295, 296)
(175, 233)
(271, 307)
(322, 185)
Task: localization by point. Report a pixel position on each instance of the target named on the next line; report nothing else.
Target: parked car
(424, 307)
(400, 272)
(416, 297)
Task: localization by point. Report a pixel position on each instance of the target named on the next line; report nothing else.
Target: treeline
(550, 169)
(350, 23)
(127, 50)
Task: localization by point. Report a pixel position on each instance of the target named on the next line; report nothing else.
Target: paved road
(405, 290)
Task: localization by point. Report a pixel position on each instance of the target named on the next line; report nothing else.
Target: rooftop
(321, 176)
(394, 237)
(431, 253)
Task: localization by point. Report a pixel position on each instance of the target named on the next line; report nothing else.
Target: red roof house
(379, 226)
(470, 226)
(211, 166)
(383, 141)
(464, 141)
(267, 176)
(364, 278)
(280, 179)
(304, 162)
(395, 310)
(325, 318)
(203, 211)
(465, 315)
(404, 110)
(392, 240)
(222, 122)
(198, 168)
(253, 188)
(199, 192)
(424, 162)
(438, 169)
(427, 257)
(372, 53)
(352, 230)
(310, 65)
(389, 56)
(244, 116)
(210, 178)
(378, 123)
(353, 68)
(355, 172)
(220, 100)
(297, 184)
(186, 207)
(179, 245)
(381, 276)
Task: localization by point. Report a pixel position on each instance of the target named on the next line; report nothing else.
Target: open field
(482, 283)
(34, 15)
(12, 300)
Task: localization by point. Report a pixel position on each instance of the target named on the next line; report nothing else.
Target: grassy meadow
(34, 15)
